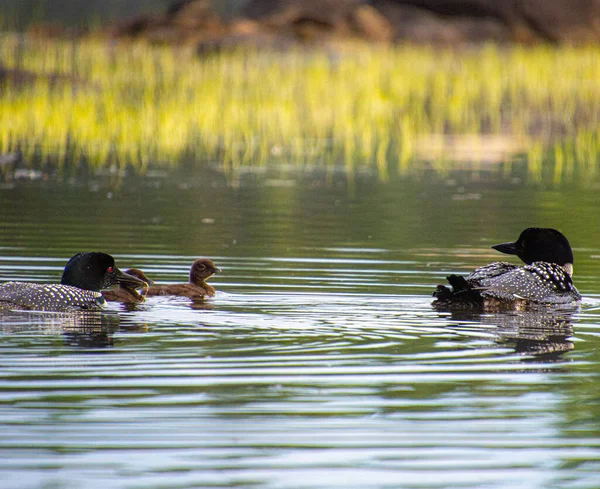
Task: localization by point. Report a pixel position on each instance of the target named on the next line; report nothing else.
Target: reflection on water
(319, 363)
(545, 333)
(82, 328)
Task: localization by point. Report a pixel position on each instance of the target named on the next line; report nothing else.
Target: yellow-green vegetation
(361, 105)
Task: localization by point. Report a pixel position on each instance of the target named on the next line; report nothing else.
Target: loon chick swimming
(127, 292)
(83, 277)
(197, 288)
(546, 278)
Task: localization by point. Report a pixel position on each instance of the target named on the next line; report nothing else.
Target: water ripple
(298, 377)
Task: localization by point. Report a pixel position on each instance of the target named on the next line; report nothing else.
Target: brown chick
(197, 288)
(127, 293)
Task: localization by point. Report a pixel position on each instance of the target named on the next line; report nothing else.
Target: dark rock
(369, 23)
(451, 21)
(185, 21)
(263, 22)
(523, 20)
(132, 27)
(504, 10)
(422, 26)
(564, 20)
(314, 19)
(196, 15)
(283, 13)
(179, 5)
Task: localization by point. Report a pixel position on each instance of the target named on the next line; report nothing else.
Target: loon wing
(481, 276)
(539, 282)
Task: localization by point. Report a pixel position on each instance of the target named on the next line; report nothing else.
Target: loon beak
(126, 279)
(139, 274)
(508, 248)
(216, 270)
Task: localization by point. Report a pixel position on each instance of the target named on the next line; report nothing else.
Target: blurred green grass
(362, 105)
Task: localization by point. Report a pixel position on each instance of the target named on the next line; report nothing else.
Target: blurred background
(388, 84)
(337, 159)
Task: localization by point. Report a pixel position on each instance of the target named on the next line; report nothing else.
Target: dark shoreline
(277, 23)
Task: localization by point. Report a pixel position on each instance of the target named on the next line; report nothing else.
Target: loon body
(127, 292)
(84, 276)
(545, 279)
(197, 288)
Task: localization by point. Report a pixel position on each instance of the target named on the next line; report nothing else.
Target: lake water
(320, 362)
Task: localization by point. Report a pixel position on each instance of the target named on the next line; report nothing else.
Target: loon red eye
(109, 269)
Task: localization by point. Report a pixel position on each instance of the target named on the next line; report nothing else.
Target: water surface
(320, 362)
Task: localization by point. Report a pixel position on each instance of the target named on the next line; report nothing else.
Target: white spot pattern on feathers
(539, 282)
(47, 297)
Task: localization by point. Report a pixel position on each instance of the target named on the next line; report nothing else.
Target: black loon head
(95, 271)
(541, 244)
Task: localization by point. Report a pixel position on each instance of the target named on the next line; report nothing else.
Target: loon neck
(568, 267)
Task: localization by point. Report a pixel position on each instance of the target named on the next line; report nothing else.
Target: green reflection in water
(362, 106)
(430, 224)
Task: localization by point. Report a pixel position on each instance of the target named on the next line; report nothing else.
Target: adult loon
(197, 288)
(545, 279)
(127, 292)
(84, 276)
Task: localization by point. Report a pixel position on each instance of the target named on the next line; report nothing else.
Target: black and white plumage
(83, 277)
(48, 297)
(546, 279)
